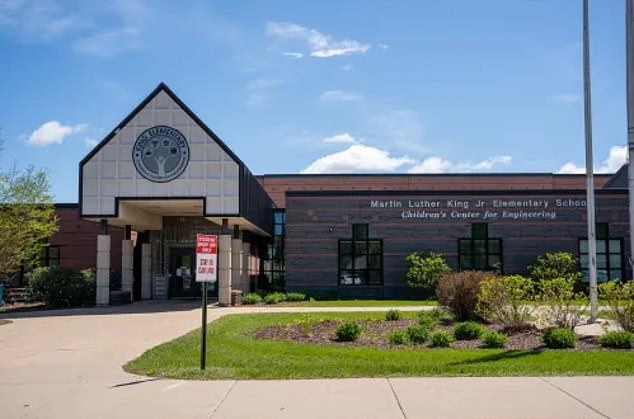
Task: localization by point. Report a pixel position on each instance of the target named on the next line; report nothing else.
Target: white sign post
(206, 271)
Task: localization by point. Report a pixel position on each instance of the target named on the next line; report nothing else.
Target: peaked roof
(162, 87)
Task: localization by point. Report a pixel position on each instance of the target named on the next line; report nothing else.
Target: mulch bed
(375, 334)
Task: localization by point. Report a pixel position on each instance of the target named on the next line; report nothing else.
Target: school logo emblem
(160, 154)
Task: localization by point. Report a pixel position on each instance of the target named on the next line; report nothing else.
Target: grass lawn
(233, 353)
(362, 303)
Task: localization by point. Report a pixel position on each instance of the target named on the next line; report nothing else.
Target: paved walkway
(67, 364)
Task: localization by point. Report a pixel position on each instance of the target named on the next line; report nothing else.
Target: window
(609, 255)
(50, 256)
(274, 267)
(360, 259)
(480, 252)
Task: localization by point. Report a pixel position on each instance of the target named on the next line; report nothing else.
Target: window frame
(478, 234)
(360, 277)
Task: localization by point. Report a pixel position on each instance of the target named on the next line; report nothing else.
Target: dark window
(274, 266)
(609, 255)
(360, 259)
(480, 252)
(50, 256)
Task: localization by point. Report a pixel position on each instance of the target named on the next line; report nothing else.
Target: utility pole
(629, 79)
(587, 107)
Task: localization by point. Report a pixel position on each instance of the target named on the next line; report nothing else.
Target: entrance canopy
(163, 161)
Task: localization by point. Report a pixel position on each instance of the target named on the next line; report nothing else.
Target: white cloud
(319, 44)
(296, 55)
(339, 96)
(383, 46)
(38, 21)
(617, 157)
(111, 42)
(53, 132)
(346, 67)
(437, 164)
(357, 157)
(259, 90)
(91, 142)
(566, 98)
(344, 138)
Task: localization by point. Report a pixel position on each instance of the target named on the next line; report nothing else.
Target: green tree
(425, 269)
(555, 265)
(27, 217)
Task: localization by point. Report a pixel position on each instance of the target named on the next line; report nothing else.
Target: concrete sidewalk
(67, 364)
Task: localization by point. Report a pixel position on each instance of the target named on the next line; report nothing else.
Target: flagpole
(587, 106)
(629, 79)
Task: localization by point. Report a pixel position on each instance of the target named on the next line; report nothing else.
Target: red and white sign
(206, 258)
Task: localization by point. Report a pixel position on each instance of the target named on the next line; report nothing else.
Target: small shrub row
(467, 331)
(348, 332)
(392, 315)
(63, 287)
(493, 340)
(617, 340)
(559, 338)
(272, 298)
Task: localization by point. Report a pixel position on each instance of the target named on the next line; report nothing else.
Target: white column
(224, 270)
(127, 266)
(245, 281)
(236, 263)
(103, 270)
(146, 271)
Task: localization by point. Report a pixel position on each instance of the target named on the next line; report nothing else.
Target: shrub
(458, 291)
(397, 337)
(506, 299)
(63, 287)
(493, 339)
(559, 338)
(617, 340)
(467, 331)
(427, 319)
(295, 296)
(620, 302)
(417, 333)
(440, 339)
(251, 298)
(275, 298)
(555, 265)
(425, 269)
(559, 302)
(392, 315)
(348, 331)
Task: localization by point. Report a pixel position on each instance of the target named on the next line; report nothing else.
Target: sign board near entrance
(206, 258)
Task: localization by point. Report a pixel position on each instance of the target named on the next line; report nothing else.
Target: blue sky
(354, 86)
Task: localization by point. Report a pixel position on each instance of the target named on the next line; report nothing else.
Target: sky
(371, 86)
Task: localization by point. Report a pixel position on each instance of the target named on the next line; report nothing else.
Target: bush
(440, 339)
(295, 296)
(493, 340)
(467, 331)
(559, 338)
(427, 319)
(392, 315)
(458, 291)
(251, 298)
(275, 298)
(417, 333)
(63, 287)
(559, 302)
(555, 265)
(397, 337)
(617, 340)
(506, 299)
(620, 302)
(425, 269)
(348, 332)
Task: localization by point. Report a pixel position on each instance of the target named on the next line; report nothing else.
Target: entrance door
(183, 273)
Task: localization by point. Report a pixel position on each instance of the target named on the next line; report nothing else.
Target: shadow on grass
(510, 354)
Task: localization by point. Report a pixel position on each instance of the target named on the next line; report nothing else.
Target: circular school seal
(160, 154)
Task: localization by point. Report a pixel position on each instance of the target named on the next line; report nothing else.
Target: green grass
(233, 353)
(363, 303)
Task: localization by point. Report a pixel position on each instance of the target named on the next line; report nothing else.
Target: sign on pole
(206, 258)
(206, 271)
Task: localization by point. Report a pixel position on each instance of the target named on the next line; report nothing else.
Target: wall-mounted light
(331, 229)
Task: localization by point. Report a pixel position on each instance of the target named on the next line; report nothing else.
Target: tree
(27, 217)
(425, 269)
